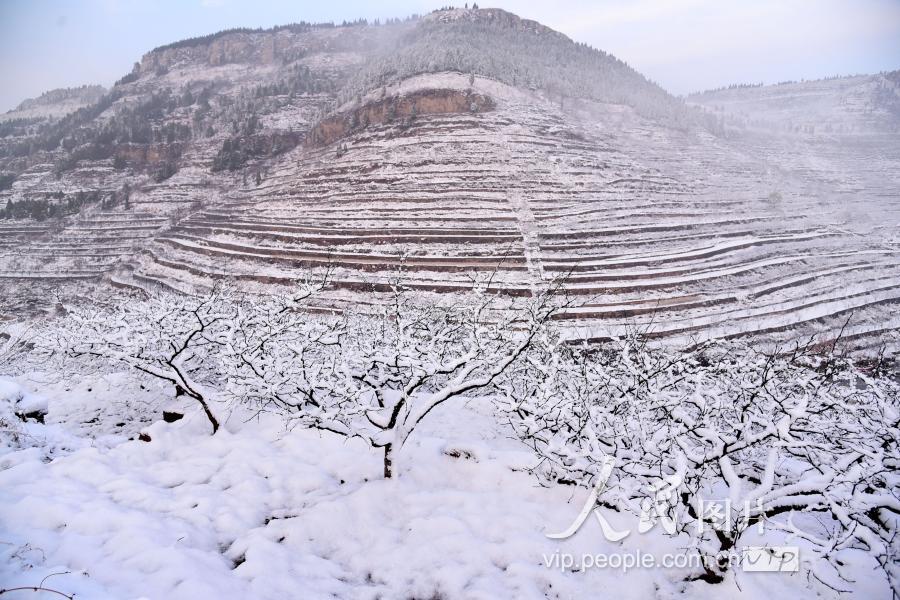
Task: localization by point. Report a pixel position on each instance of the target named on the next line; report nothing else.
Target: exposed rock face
(278, 46)
(234, 48)
(388, 110)
(142, 156)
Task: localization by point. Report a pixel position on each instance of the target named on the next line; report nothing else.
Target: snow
(260, 512)
(450, 80)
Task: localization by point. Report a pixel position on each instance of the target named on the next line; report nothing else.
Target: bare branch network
(807, 441)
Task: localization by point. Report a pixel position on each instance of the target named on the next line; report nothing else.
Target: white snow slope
(259, 512)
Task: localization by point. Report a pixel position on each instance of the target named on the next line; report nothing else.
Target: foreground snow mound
(257, 512)
(23, 432)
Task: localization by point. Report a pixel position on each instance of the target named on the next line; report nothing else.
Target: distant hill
(56, 103)
(837, 105)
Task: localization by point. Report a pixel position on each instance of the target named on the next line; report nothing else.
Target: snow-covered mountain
(55, 103)
(861, 104)
(464, 141)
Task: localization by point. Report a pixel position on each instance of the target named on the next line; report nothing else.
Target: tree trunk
(388, 461)
(180, 391)
(213, 421)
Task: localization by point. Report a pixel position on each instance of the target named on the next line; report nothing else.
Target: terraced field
(682, 232)
(758, 211)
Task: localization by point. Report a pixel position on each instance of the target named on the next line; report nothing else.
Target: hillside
(464, 141)
(860, 104)
(55, 103)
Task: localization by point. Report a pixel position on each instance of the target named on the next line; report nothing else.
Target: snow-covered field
(257, 511)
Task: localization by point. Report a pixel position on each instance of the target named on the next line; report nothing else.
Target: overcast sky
(684, 45)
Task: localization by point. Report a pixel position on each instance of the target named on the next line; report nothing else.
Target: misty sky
(684, 45)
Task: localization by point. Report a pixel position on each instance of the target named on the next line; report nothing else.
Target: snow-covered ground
(256, 511)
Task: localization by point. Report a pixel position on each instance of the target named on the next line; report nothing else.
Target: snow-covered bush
(719, 442)
(372, 375)
(177, 338)
(167, 336)
(15, 341)
(377, 376)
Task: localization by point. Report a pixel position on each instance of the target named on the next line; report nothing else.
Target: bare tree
(15, 342)
(769, 436)
(178, 338)
(170, 337)
(377, 376)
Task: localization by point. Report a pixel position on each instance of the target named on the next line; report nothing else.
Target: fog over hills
(465, 141)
